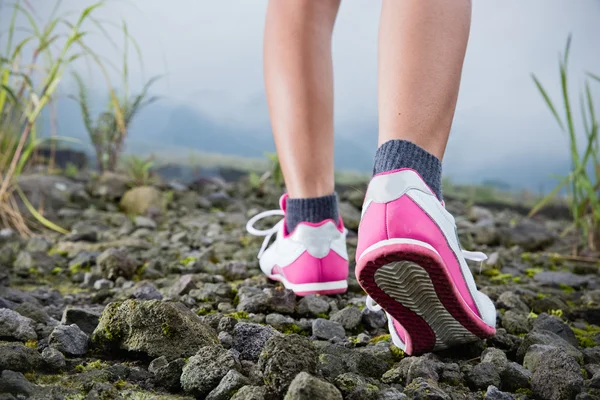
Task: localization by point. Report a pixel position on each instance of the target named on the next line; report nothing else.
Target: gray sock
(397, 154)
(313, 210)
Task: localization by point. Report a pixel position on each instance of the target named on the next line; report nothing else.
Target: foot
(409, 261)
(310, 260)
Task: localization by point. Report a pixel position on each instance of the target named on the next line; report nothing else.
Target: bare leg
(422, 45)
(299, 86)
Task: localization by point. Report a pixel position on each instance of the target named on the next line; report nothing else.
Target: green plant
(27, 88)
(108, 130)
(71, 170)
(275, 170)
(581, 185)
(138, 169)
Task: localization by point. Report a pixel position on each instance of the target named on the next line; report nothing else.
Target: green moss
(187, 261)
(557, 313)
(32, 344)
(491, 272)
(531, 272)
(289, 329)
(120, 384)
(79, 368)
(532, 315)
(517, 279)
(245, 241)
(77, 267)
(205, 311)
(166, 329)
(585, 336)
(527, 257)
(54, 251)
(501, 279)
(524, 391)
(323, 315)
(380, 338)
(57, 271)
(239, 315)
(541, 296)
(33, 271)
(397, 352)
(566, 288)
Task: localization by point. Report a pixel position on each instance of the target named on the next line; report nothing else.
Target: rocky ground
(156, 294)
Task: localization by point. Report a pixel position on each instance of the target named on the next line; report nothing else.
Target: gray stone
(515, 377)
(226, 339)
(281, 300)
(511, 301)
(529, 235)
(515, 322)
(533, 357)
(204, 371)
(250, 339)
(391, 394)
(146, 291)
(69, 339)
(592, 354)
(279, 321)
(312, 305)
(493, 393)
(451, 374)
(496, 357)
(16, 357)
(183, 286)
(144, 222)
(284, 357)
(557, 377)
(103, 284)
(250, 393)
(54, 359)
(482, 376)
(114, 263)
(16, 384)
(425, 366)
(326, 329)
(154, 328)
(355, 387)
(307, 387)
(545, 322)
(85, 318)
(38, 244)
(423, 389)
(167, 374)
(370, 361)
(252, 300)
(349, 317)
(558, 278)
(34, 312)
(373, 319)
(548, 338)
(230, 383)
(14, 326)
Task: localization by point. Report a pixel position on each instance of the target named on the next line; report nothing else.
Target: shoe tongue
(283, 201)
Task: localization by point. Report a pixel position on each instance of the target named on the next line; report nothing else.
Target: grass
(138, 169)
(36, 57)
(581, 184)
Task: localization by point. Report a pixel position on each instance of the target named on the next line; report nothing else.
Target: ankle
(311, 209)
(398, 154)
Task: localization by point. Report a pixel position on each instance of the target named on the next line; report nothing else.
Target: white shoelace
(268, 233)
(468, 255)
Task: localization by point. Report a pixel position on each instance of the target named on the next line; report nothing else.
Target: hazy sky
(211, 53)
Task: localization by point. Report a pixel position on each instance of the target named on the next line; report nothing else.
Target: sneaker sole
(304, 289)
(409, 280)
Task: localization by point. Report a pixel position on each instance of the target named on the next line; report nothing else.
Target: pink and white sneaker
(310, 260)
(409, 261)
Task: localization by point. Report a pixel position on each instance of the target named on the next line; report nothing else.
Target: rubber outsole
(411, 283)
(324, 288)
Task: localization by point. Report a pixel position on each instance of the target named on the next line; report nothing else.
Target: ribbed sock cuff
(397, 154)
(312, 209)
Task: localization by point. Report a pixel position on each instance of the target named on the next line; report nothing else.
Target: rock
(496, 357)
(230, 383)
(515, 322)
(592, 354)
(545, 322)
(252, 300)
(16, 384)
(54, 359)
(371, 361)
(511, 301)
(548, 338)
(14, 326)
(374, 319)
(141, 200)
(69, 339)
(355, 387)
(349, 317)
(424, 367)
(204, 371)
(146, 291)
(307, 387)
(279, 321)
(34, 312)
(114, 263)
(391, 394)
(483, 375)
(109, 186)
(85, 318)
(47, 193)
(326, 329)
(515, 377)
(144, 222)
(529, 235)
(225, 339)
(250, 393)
(533, 357)
(284, 357)
(103, 284)
(558, 376)
(16, 357)
(558, 278)
(423, 389)
(451, 374)
(38, 244)
(183, 286)
(153, 327)
(281, 300)
(313, 306)
(493, 393)
(250, 339)
(167, 374)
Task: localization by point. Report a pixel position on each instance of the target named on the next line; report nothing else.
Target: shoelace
(468, 255)
(268, 233)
